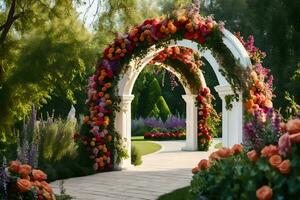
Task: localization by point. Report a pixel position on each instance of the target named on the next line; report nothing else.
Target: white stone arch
(231, 119)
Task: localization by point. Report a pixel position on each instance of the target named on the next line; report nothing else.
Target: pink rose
(284, 145)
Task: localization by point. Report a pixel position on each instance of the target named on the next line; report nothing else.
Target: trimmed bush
(136, 156)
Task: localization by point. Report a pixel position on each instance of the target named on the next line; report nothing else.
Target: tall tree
(276, 28)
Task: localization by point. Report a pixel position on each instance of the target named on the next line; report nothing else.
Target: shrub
(238, 174)
(57, 140)
(164, 110)
(136, 156)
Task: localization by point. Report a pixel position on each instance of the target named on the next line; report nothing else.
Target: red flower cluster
(204, 108)
(182, 54)
(164, 136)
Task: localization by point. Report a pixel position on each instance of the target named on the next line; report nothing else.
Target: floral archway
(106, 124)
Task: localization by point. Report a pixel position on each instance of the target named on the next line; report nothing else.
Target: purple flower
(174, 123)
(154, 123)
(3, 183)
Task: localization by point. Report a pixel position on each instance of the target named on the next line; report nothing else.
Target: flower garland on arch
(260, 92)
(204, 104)
(98, 135)
(193, 62)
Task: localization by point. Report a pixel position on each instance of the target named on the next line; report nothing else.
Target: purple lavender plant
(174, 122)
(28, 149)
(154, 123)
(262, 129)
(3, 181)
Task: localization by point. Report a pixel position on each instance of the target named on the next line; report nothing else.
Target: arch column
(123, 126)
(191, 123)
(232, 120)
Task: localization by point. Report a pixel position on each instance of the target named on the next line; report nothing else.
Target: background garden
(48, 49)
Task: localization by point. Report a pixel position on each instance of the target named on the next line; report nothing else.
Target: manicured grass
(137, 138)
(179, 194)
(219, 145)
(145, 147)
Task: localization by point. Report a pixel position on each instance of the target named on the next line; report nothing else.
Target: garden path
(160, 173)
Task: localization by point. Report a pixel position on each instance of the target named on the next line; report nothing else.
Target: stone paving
(160, 173)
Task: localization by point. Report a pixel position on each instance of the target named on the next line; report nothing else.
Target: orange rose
(249, 104)
(264, 193)
(214, 156)
(268, 103)
(269, 151)
(203, 164)
(24, 185)
(37, 184)
(14, 166)
(252, 155)
(293, 126)
(282, 127)
(25, 170)
(237, 148)
(275, 160)
(39, 175)
(284, 167)
(46, 186)
(224, 152)
(295, 138)
(47, 195)
(195, 170)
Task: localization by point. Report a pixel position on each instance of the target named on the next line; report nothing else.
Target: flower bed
(165, 136)
(271, 173)
(21, 181)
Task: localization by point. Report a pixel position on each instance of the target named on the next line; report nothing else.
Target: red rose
(201, 39)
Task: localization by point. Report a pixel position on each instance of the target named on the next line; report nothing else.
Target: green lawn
(137, 138)
(144, 147)
(179, 194)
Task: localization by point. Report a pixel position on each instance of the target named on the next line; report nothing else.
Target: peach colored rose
(264, 193)
(252, 155)
(214, 156)
(195, 170)
(46, 186)
(268, 103)
(295, 138)
(224, 152)
(293, 126)
(237, 148)
(14, 166)
(37, 184)
(269, 151)
(284, 167)
(275, 160)
(25, 170)
(24, 185)
(203, 164)
(282, 127)
(38, 175)
(47, 195)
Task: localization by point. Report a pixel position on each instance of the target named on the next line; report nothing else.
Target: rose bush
(20, 181)
(272, 173)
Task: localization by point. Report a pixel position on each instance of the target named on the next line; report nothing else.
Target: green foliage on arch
(103, 144)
